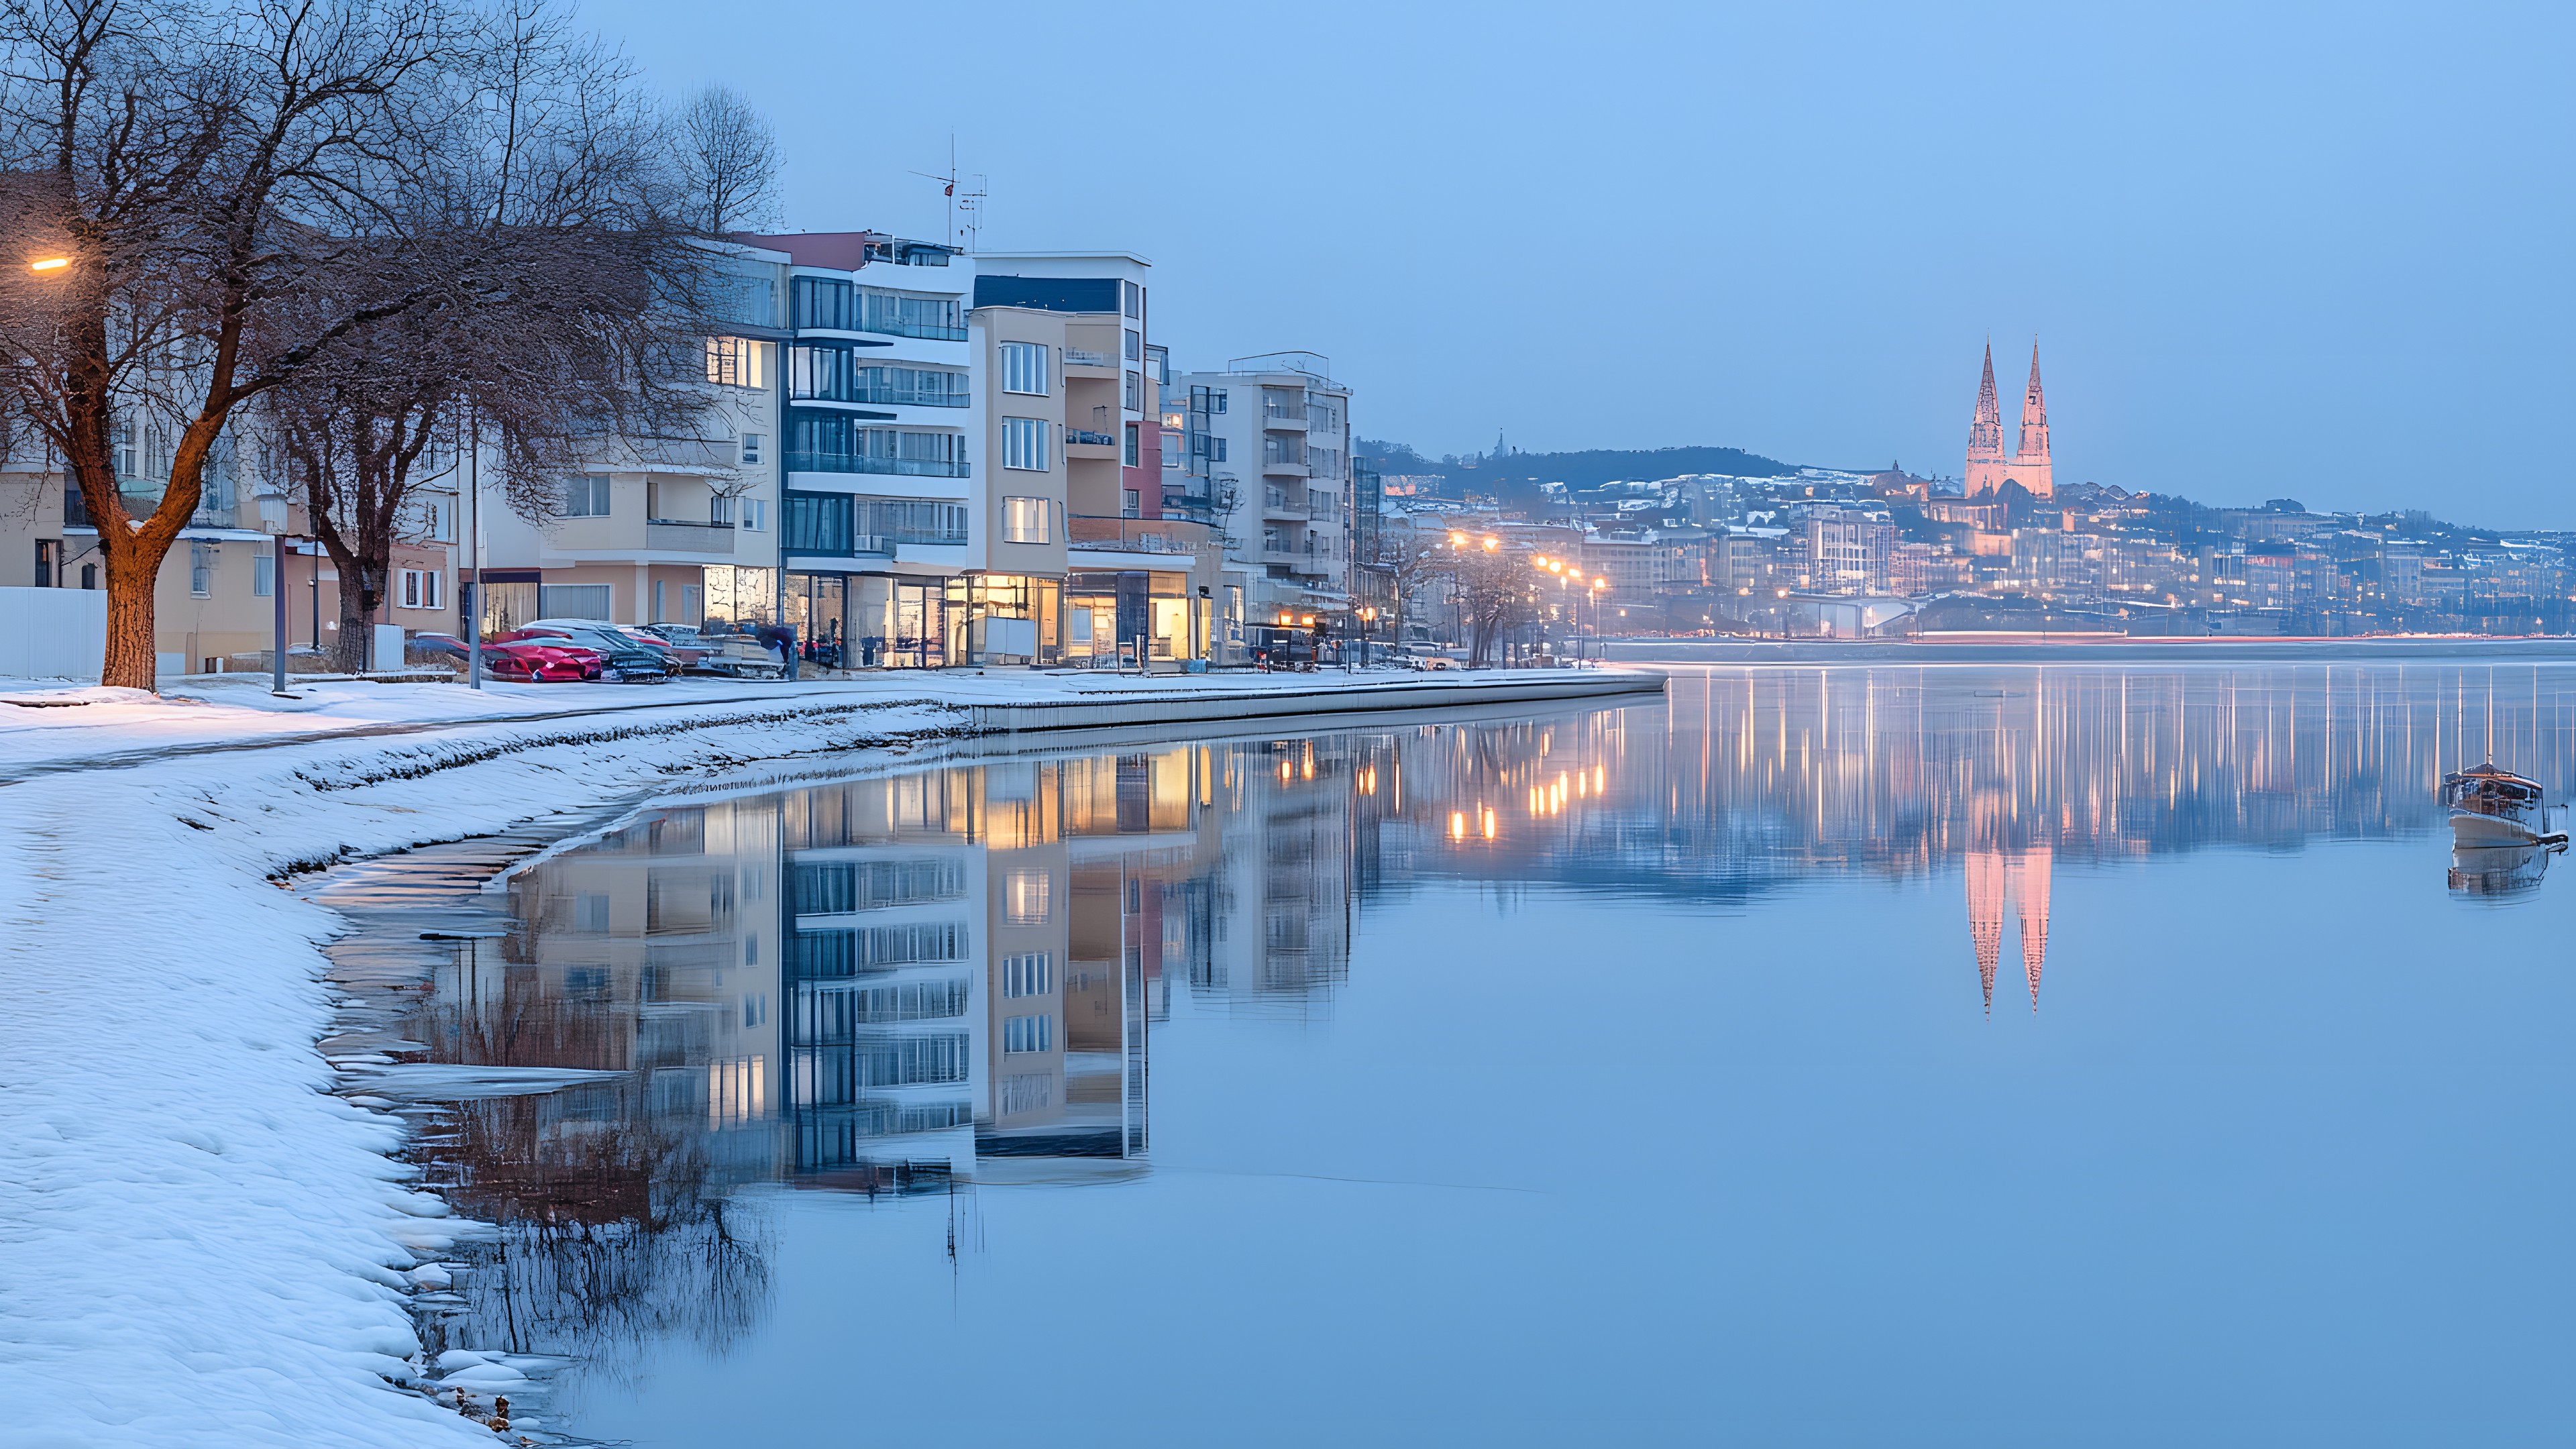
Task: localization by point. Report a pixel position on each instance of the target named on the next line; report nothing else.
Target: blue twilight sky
(2319, 251)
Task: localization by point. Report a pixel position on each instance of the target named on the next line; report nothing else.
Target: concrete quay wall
(1112, 708)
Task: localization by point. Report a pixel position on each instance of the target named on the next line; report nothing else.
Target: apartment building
(215, 601)
(1267, 444)
(665, 530)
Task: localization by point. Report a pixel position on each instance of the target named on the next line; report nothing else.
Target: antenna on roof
(966, 206)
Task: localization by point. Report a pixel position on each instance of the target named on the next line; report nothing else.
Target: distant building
(1988, 469)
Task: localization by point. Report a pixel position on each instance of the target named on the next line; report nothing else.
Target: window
(1128, 454)
(590, 913)
(751, 449)
(1028, 1033)
(1028, 520)
(1134, 298)
(263, 574)
(1158, 364)
(201, 570)
(1030, 975)
(834, 443)
(1028, 899)
(737, 362)
(422, 588)
(755, 515)
(1024, 368)
(720, 509)
(1135, 345)
(1024, 444)
(901, 316)
(1134, 397)
(819, 302)
(49, 561)
(586, 496)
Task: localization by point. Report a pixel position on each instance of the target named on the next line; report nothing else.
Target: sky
(2316, 252)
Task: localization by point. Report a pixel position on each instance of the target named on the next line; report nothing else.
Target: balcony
(1185, 538)
(906, 397)
(1284, 420)
(1085, 357)
(898, 467)
(1283, 468)
(677, 537)
(1276, 503)
(1086, 438)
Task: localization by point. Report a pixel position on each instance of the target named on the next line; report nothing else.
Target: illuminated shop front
(1106, 612)
(909, 621)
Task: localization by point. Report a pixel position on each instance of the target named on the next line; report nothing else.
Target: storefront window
(814, 605)
(738, 598)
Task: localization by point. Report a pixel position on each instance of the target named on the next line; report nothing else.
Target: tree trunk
(133, 576)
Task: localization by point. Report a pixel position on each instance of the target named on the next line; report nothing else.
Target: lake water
(1840, 1056)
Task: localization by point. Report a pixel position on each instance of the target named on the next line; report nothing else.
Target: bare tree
(186, 187)
(728, 161)
(1495, 594)
(565, 298)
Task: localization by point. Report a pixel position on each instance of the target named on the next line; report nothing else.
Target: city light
(49, 264)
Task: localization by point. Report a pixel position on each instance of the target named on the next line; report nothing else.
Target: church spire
(1986, 436)
(2031, 467)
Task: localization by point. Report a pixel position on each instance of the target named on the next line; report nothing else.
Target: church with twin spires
(1988, 468)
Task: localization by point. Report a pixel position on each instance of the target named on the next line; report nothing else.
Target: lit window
(1024, 444)
(1029, 900)
(1024, 368)
(737, 362)
(1028, 520)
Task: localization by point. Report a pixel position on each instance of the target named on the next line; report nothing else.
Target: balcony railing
(900, 467)
(890, 327)
(907, 397)
(684, 537)
(1179, 536)
(1085, 357)
(1088, 437)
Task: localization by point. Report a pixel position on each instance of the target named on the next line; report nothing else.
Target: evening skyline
(2265, 253)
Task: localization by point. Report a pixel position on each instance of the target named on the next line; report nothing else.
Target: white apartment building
(1267, 442)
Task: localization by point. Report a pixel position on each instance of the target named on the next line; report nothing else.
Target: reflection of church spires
(1986, 915)
(1986, 436)
(2030, 465)
(2030, 889)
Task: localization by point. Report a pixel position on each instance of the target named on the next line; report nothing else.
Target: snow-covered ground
(199, 1243)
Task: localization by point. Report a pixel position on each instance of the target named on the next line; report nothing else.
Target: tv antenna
(965, 198)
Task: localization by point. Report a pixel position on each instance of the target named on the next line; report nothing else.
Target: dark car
(622, 660)
(434, 649)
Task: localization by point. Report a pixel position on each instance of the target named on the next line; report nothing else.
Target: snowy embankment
(199, 1243)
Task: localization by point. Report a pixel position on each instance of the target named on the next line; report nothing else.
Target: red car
(541, 663)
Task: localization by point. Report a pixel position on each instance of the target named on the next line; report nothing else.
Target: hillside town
(2002, 550)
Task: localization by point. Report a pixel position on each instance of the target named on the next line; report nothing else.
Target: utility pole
(474, 553)
(277, 606)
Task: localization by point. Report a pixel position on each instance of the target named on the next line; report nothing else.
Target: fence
(52, 633)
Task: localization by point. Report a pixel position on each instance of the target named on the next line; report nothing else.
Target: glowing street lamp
(49, 264)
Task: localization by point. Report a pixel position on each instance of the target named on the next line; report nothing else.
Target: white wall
(52, 633)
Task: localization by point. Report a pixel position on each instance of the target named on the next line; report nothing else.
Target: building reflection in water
(907, 983)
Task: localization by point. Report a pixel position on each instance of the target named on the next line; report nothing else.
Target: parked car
(670, 654)
(736, 656)
(542, 661)
(434, 649)
(622, 660)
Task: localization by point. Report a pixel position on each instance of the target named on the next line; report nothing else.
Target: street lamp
(49, 264)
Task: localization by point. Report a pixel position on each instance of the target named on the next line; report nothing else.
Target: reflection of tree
(609, 1233)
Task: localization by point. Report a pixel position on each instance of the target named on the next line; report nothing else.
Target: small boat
(2494, 807)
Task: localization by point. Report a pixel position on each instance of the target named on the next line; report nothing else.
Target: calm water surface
(1955, 1056)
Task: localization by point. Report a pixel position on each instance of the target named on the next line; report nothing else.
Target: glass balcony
(899, 467)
